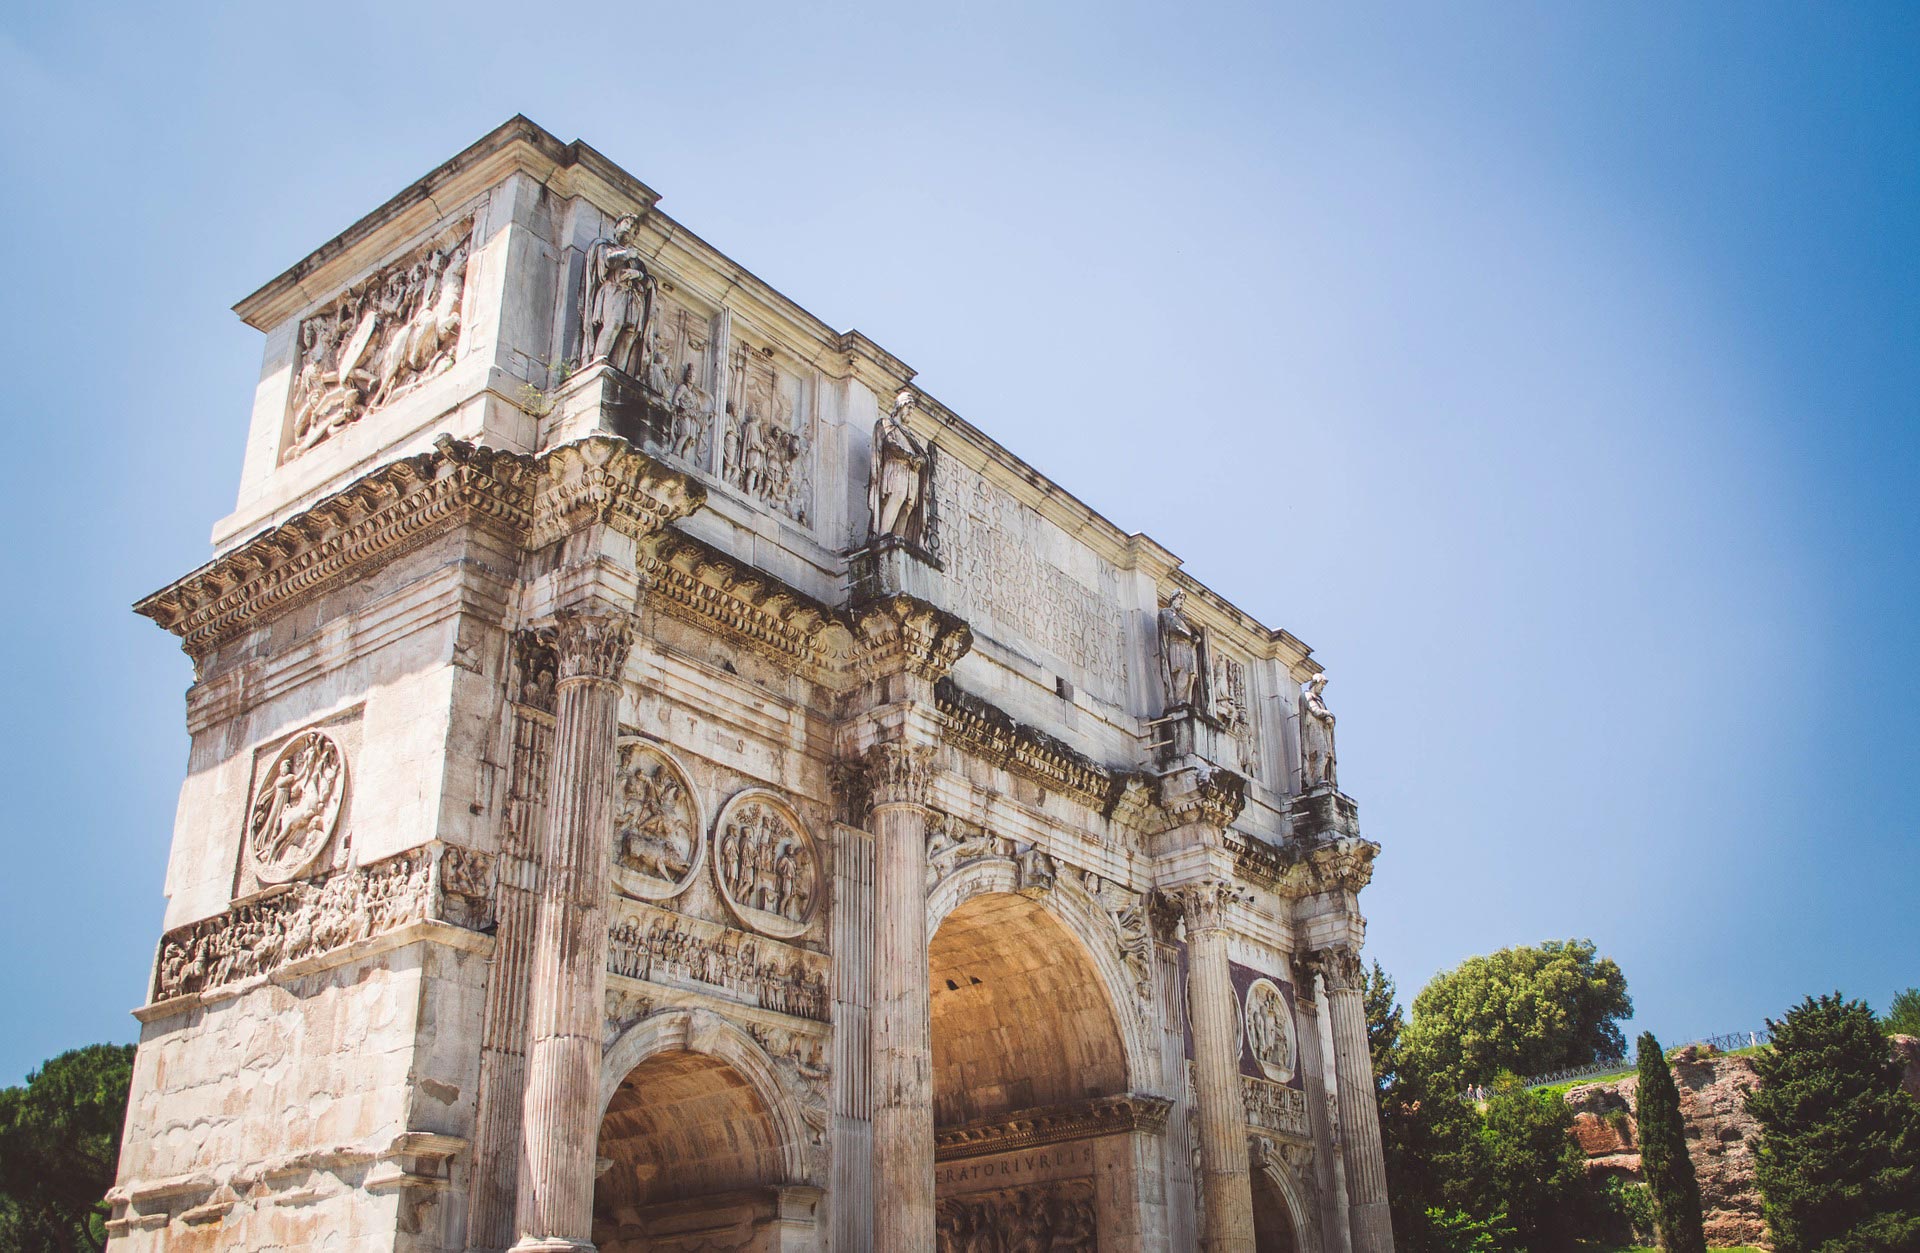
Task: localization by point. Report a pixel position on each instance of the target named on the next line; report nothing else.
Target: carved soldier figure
(897, 487)
(1317, 767)
(618, 306)
(1179, 654)
(689, 406)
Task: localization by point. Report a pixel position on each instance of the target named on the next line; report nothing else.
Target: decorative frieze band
(984, 731)
(1054, 1124)
(316, 916)
(1275, 1107)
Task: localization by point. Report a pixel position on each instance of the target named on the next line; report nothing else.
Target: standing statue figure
(897, 485)
(1317, 767)
(617, 309)
(689, 409)
(1179, 655)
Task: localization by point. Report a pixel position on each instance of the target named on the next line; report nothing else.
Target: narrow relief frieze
(656, 946)
(1059, 1215)
(1054, 1124)
(314, 917)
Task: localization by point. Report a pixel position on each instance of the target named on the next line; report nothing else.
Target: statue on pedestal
(1179, 655)
(1317, 767)
(897, 488)
(618, 305)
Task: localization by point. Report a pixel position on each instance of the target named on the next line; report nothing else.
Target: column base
(552, 1244)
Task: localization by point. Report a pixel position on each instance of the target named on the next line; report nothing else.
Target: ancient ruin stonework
(662, 781)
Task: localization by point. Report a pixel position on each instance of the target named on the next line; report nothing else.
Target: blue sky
(1550, 369)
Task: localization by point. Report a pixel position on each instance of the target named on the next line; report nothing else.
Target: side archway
(1280, 1210)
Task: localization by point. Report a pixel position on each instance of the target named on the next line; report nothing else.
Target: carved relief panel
(1230, 689)
(1058, 1216)
(1270, 1036)
(766, 864)
(657, 849)
(378, 340)
(296, 807)
(680, 380)
(767, 436)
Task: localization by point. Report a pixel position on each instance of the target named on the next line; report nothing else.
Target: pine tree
(1663, 1155)
(1838, 1162)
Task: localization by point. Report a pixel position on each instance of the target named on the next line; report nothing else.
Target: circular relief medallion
(297, 807)
(766, 864)
(1270, 1031)
(656, 824)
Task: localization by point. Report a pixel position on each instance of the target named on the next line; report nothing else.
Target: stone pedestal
(1226, 1180)
(562, 1112)
(903, 1213)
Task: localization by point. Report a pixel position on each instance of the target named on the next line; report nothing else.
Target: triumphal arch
(660, 781)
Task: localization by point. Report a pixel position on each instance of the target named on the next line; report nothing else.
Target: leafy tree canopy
(1838, 1162)
(59, 1149)
(1902, 1018)
(1522, 1010)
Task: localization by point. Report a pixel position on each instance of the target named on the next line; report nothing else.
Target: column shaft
(902, 1046)
(1371, 1224)
(1227, 1182)
(560, 1122)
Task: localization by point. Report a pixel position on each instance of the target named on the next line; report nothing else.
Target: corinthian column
(898, 776)
(1359, 1107)
(560, 1126)
(1226, 1181)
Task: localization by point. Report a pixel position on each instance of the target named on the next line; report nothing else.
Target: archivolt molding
(705, 1032)
(396, 508)
(1090, 926)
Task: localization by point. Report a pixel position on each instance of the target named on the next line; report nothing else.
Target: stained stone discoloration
(661, 780)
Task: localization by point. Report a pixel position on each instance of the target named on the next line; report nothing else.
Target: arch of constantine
(660, 781)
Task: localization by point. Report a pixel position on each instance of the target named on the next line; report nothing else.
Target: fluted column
(898, 776)
(1345, 982)
(560, 1124)
(1227, 1184)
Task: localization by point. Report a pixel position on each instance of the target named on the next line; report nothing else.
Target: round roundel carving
(656, 824)
(1270, 1031)
(297, 807)
(767, 866)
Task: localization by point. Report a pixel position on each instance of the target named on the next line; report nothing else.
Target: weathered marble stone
(660, 780)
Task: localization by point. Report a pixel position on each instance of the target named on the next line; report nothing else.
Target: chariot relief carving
(1270, 1031)
(296, 808)
(656, 824)
(766, 864)
(379, 339)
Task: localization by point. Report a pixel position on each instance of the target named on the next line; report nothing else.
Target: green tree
(1523, 1010)
(1437, 1163)
(1838, 1160)
(59, 1149)
(1902, 1018)
(1384, 1024)
(1538, 1172)
(1664, 1162)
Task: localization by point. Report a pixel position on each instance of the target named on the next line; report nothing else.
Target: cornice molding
(699, 584)
(983, 730)
(397, 507)
(1054, 1124)
(1215, 798)
(1341, 864)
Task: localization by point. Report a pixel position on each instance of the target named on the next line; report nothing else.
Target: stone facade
(661, 781)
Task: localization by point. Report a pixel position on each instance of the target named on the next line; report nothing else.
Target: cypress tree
(1838, 1161)
(1663, 1155)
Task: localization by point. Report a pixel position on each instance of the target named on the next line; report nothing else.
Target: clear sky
(1551, 369)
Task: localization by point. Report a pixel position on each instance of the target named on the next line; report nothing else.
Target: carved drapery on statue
(379, 339)
(616, 311)
(1180, 646)
(899, 477)
(1318, 767)
(296, 808)
(656, 824)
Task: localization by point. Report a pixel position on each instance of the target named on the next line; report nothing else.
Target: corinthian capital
(1204, 904)
(1340, 966)
(591, 644)
(899, 774)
